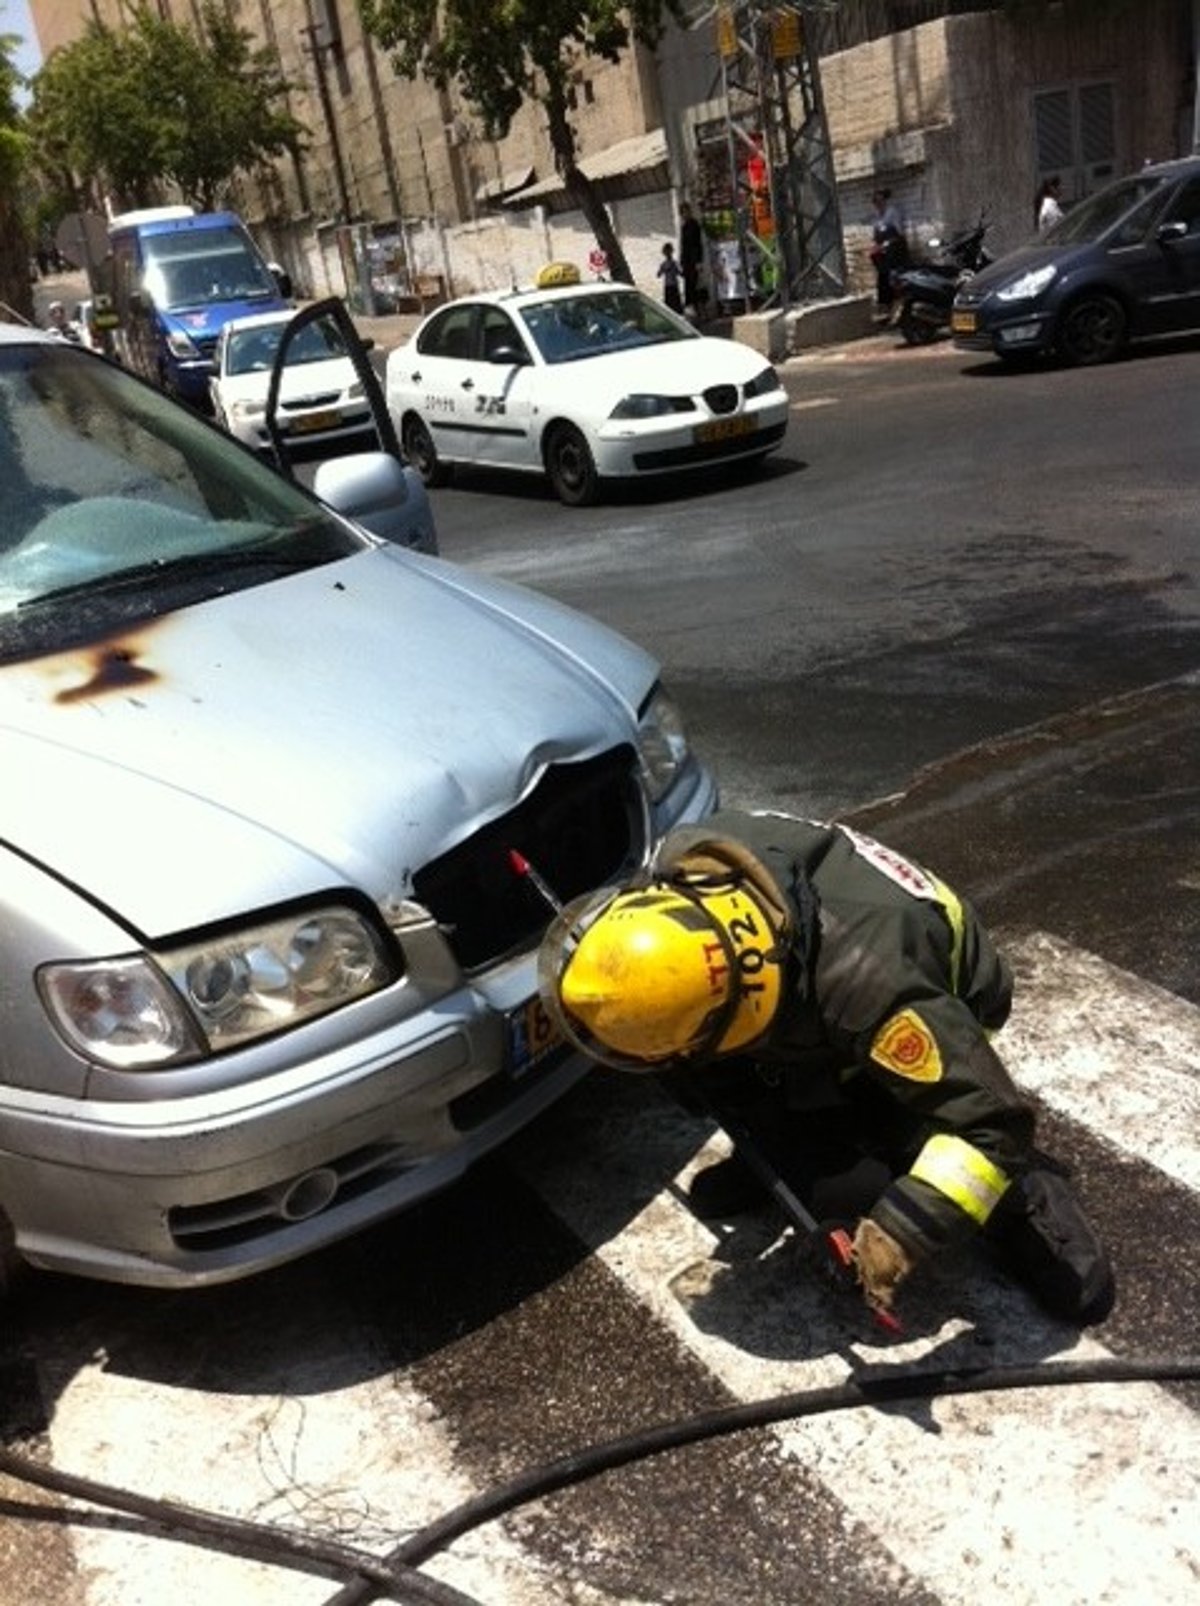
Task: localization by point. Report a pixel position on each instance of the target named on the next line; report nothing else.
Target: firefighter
(838, 999)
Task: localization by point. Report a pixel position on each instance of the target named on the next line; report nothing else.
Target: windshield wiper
(157, 569)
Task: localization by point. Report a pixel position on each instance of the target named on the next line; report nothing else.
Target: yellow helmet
(688, 967)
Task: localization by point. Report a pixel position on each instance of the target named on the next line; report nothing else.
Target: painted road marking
(1122, 1051)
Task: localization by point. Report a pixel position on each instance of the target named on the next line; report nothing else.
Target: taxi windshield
(566, 328)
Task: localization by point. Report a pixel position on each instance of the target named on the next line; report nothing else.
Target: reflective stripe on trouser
(965, 1176)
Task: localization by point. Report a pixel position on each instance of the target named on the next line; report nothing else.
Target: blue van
(178, 277)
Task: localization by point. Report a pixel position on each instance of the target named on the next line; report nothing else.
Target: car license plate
(962, 323)
(307, 422)
(723, 429)
(532, 1035)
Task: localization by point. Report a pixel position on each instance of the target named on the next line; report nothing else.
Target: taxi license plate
(962, 323)
(307, 422)
(532, 1035)
(723, 429)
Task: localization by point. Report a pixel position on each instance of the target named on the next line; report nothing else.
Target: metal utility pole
(781, 161)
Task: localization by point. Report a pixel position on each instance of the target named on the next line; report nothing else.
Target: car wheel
(1092, 331)
(422, 453)
(571, 467)
(919, 330)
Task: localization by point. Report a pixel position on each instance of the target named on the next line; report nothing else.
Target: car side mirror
(283, 282)
(510, 355)
(381, 494)
(1175, 230)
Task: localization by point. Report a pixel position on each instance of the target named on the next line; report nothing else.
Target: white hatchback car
(321, 398)
(582, 382)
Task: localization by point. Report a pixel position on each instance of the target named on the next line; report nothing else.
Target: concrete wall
(943, 114)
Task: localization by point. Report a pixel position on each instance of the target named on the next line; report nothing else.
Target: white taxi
(584, 383)
(322, 405)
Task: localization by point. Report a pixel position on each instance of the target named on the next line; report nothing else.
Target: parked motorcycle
(926, 290)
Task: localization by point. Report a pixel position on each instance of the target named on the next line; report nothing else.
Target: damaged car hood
(338, 727)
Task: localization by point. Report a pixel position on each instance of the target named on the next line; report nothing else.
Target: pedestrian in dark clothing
(691, 256)
(889, 251)
(836, 1000)
(669, 273)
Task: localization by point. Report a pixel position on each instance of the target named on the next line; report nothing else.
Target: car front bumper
(1023, 330)
(191, 1191)
(311, 1136)
(628, 448)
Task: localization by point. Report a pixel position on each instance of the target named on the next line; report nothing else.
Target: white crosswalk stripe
(1080, 1497)
(1123, 1059)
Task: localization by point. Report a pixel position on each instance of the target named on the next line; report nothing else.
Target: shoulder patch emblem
(905, 1044)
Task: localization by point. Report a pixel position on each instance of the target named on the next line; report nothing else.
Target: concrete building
(956, 105)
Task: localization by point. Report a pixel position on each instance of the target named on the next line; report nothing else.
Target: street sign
(598, 261)
(82, 238)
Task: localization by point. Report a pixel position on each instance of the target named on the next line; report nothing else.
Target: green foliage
(14, 149)
(500, 54)
(158, 103)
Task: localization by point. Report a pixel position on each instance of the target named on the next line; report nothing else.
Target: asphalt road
(960, 607)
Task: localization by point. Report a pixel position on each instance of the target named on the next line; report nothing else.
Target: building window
(1074, 131)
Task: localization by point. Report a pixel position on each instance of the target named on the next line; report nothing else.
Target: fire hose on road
(396, 1577)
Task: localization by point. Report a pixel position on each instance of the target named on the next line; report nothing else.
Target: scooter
(926, 290)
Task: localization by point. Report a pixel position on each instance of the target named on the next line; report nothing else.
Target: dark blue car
(1122, 265)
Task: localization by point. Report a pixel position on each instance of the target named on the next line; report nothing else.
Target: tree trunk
(581, 189)
(16, 287)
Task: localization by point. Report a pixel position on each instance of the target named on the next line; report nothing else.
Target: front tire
(419, 450)
(1092, 331)
(571, 467)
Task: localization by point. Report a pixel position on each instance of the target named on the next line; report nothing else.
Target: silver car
(270, 787)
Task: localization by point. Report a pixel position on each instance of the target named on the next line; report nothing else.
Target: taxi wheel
(571, 468)
(1092, 331)
(422, 453)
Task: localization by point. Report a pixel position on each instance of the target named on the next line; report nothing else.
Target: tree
(156, 103)
(15, 288)
(502, 55)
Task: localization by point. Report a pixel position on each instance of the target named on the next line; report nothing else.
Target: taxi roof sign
(555, 273)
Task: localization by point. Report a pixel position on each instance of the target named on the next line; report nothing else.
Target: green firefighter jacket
(889, 976)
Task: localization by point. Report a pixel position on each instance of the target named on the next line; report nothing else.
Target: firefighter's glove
(880, 1264)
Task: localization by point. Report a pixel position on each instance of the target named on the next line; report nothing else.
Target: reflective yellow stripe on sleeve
(953, 911)
(966, 1177)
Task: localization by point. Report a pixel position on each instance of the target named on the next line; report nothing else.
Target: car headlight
(149, 1011)
(762, 384)
(662, 744)
(647, 406)
(1028, 285)
(179, 345)
(246, 410)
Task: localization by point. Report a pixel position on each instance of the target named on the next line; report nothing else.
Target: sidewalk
(394, 329)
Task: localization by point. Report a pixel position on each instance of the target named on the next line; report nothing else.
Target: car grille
(721, 398)
(580, 827)
(206, 345)
(324, 398)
